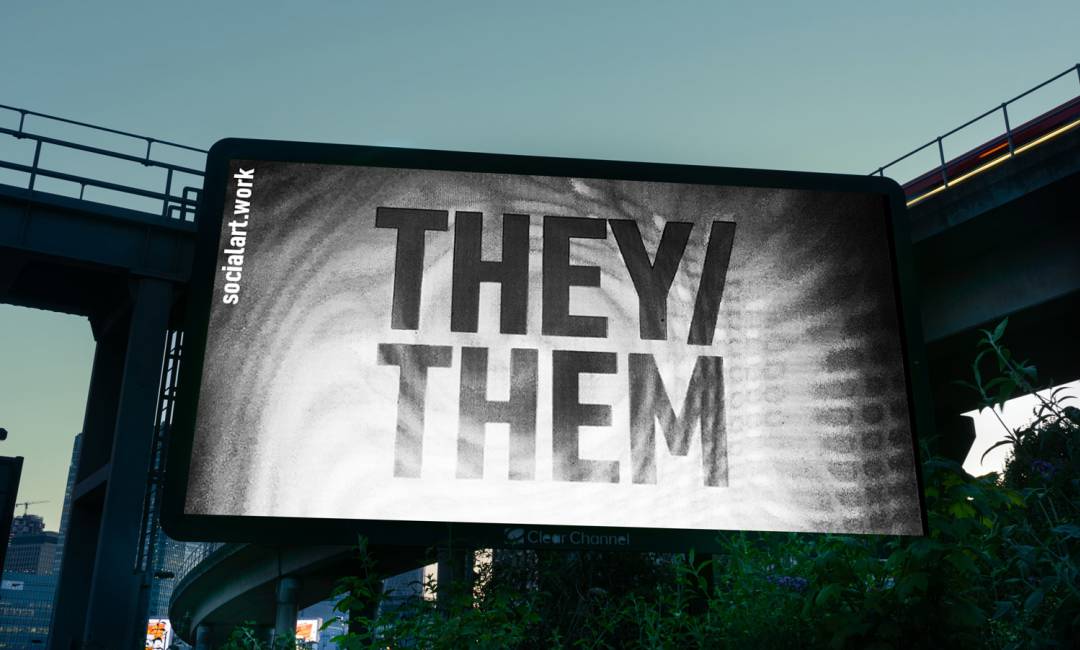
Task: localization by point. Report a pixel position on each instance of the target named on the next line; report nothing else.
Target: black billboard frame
(426, 534)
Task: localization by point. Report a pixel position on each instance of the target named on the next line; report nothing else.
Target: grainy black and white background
(297, 418)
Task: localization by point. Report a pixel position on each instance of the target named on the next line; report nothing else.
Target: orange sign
(307, 630)
(158, 634)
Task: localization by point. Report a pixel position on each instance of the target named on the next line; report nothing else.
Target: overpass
(118, 252)
(994, 234)
(69, 244)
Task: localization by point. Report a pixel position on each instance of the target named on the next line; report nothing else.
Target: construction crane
(26, 505)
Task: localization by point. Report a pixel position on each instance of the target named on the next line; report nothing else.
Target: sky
(824, 86)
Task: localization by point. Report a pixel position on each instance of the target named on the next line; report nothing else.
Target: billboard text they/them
(437, 345)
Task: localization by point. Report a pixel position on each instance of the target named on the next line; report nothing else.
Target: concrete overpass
(1002, 243)
(260, 583)
(124, 270)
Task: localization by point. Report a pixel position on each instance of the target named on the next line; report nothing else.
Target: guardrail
(194, 554)
(1009, 134)
(175, 206)
(182, 206)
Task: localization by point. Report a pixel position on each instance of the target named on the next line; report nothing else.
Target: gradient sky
(837, 86)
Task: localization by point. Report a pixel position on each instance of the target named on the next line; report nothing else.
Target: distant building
(33, 553)
(406, 586)
(28, 584)
(169, 557)
(31, 573)
(26, 525)
(26, 603)
(65, 515)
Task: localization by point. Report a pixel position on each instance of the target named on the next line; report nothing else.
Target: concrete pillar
(84, 521)
(203, 637)
(106, 517)
(288, 591)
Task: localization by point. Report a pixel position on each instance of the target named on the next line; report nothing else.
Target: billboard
(541, 352)
(307, 630)
(158, 634)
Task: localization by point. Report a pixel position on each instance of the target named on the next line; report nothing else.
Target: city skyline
(32, 571)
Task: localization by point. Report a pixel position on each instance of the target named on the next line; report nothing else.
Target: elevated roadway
(1001, 244)
(240, 583)
(125, 271)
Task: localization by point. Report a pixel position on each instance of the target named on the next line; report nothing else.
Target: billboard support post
(454, 574)
(203, 636)
(704, 567)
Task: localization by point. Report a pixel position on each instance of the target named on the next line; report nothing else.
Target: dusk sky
(835, 87)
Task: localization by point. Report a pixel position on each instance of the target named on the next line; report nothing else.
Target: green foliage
(246, 637)
(461, 617)
(1000, 568)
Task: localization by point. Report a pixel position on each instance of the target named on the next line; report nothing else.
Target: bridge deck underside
(50, 240)
(1002, 244)
(238, 581)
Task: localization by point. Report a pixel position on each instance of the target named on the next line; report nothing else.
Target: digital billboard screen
(392, 341)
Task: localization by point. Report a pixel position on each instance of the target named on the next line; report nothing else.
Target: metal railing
(1003, 108)
(170, 372)
(194, 555)
(182, 206)
(175, 206)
